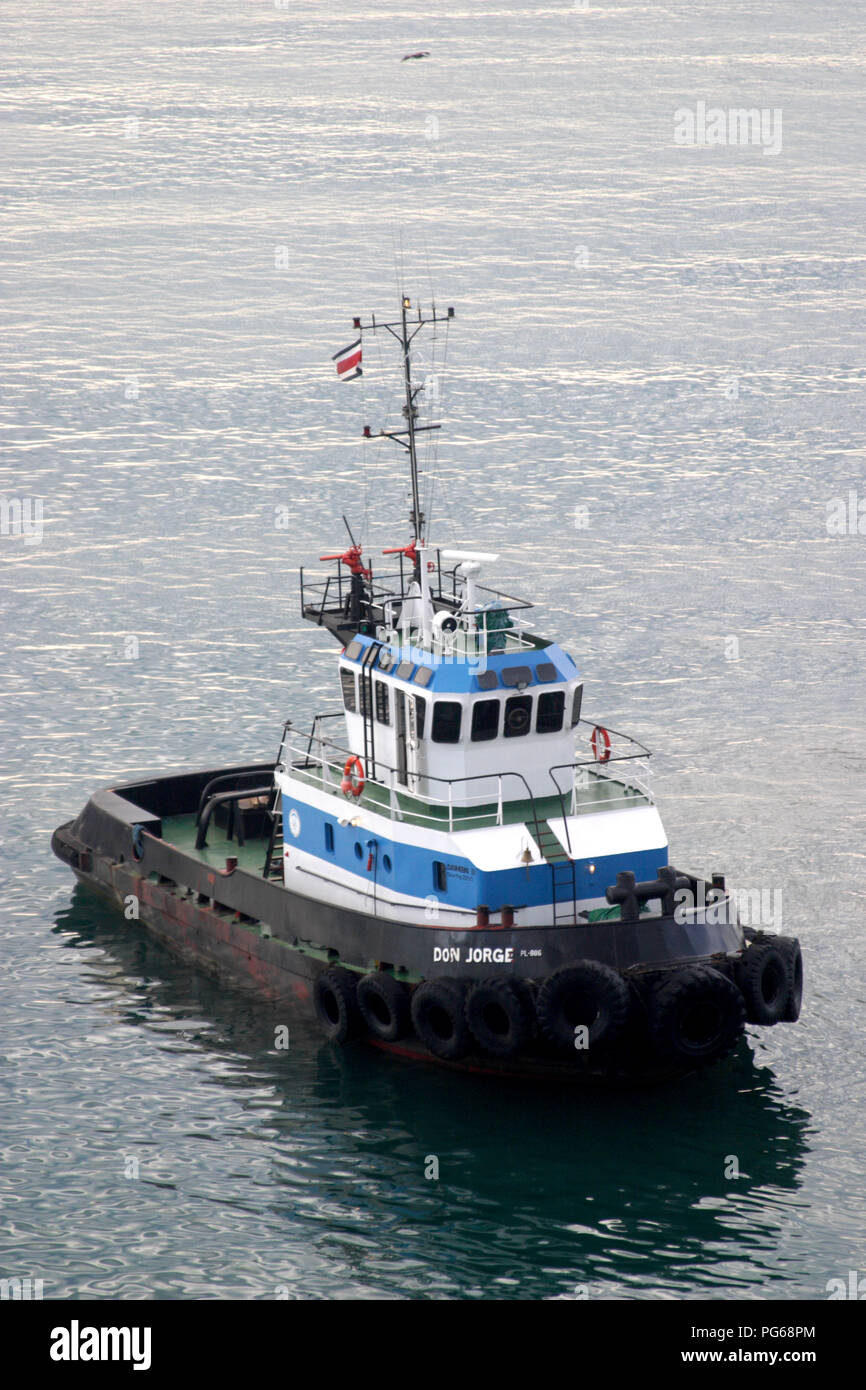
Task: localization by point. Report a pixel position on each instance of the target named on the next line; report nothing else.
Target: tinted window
(353, 651)
(551, 707)
(420, 712)
(383, 703)
(347, 680)
(386, 659)
(545, 671)
(485, 720)
(446, 721)
(518, 715)
(575, 704)
(440, 878)
(423, 676)
(516, 675)
(329, 837)
(487, 680)
(405, 669)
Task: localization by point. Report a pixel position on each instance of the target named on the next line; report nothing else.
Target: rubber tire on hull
(764, 977)
(696, 1015)
(790, 949)
(336, 1004)
(384, 1004)
(440, 1020)
(587, 993)
(499, 1015)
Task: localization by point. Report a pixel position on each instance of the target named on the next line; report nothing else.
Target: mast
(410, 411)
(404, 331)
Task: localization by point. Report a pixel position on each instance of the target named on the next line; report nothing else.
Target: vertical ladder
(274, 858)
(562, 875)
(273, 866)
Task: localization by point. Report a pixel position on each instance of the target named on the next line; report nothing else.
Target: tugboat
(456, 864)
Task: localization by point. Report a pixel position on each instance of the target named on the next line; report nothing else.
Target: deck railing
(586, 784)
(381, 600)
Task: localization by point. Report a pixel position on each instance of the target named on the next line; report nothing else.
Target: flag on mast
(348, 361)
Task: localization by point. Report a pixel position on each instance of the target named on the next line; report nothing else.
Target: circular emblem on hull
(294, 823)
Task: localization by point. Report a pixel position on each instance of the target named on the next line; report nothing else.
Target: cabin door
(402, 750)
(413, 744)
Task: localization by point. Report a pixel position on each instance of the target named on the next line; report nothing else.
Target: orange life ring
(602, 737)
(350, 786)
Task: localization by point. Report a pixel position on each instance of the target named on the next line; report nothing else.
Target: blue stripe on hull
(412, 867)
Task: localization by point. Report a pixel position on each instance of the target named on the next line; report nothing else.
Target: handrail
(254, 770)
(221, 799)
(614, 757)
(331, 755)
(392, 584)
(446, 802)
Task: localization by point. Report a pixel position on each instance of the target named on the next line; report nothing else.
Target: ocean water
(652, 409)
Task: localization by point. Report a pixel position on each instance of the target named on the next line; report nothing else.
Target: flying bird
(407, 56)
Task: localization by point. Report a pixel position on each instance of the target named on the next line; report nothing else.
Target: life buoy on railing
(600, 744)
(351, 784)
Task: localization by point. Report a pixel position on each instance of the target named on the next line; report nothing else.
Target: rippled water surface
(197, 198)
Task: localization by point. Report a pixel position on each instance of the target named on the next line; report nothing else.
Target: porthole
(518, 715)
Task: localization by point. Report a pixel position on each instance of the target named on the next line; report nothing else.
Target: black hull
(253, 931)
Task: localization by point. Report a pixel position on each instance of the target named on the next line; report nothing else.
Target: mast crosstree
(404, 332)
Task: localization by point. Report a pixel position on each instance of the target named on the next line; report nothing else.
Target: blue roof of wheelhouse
(546, 665)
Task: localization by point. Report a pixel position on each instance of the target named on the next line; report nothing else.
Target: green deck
(181, 831)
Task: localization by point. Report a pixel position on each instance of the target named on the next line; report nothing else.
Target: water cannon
(353, 561)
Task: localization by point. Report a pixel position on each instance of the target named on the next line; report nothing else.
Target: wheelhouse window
(575, 705)
(446, 721)
(518, 715)
(485, 720)
(549, 715)
(347, 680)
(383, 703)
(420, 714)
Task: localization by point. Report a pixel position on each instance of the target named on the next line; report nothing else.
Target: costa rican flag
(348, 361)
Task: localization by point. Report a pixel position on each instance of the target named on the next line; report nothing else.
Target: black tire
(790, 949)
(764, 977)
(586, 993)
(499, 1016)
(696, 1015)
(384, 1005)
(336, 1004)
(439, 1018)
